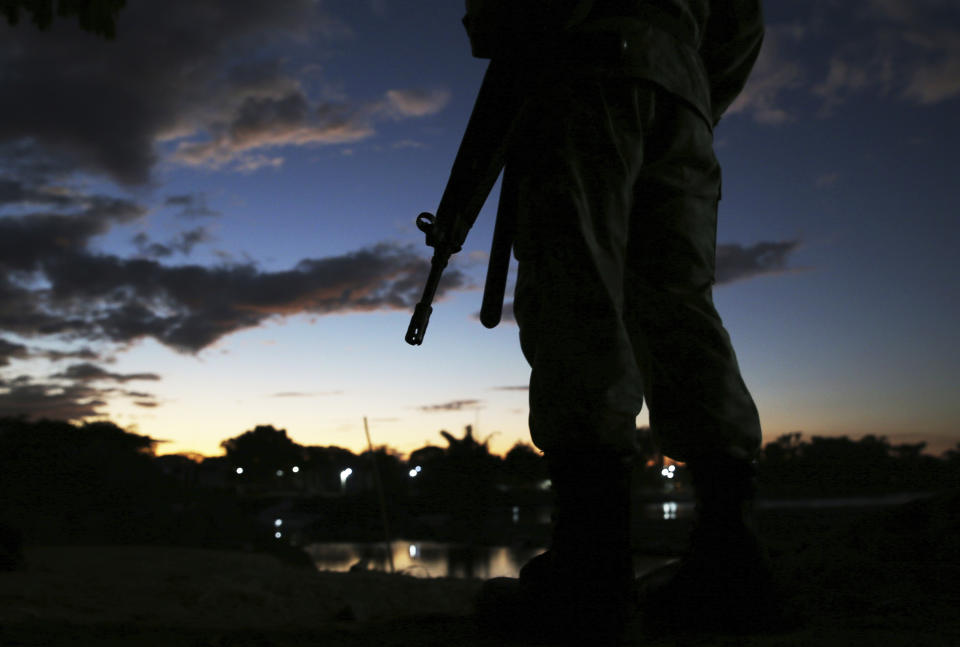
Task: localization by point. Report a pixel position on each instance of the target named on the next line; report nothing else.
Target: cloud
(12, 192)
(260, 122)
(774, 75)
(190, 307)
(87, 372)
(80, 353)
(82, 295)
(92, 296)
(938, 79)
(842, 77)
(16, 192)
(894, 48)
(26, 240)
(417, 103)
(407, 143)
(171, 85)
(269, 122)
(184, 242)
(10, 350)
(52, 284)
(512, 388)
(455, 405)
(833, 52)
(149, 249)
(75, 402)
(192, 206)
(103, 104)
(82, 398)
(737, 263)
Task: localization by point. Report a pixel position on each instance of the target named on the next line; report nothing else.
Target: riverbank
(889, 576)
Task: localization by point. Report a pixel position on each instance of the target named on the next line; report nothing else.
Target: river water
(438, 559)
(423, 558)
(435, 559)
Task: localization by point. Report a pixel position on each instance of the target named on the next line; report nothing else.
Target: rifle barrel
(423, 310)
(478, 163)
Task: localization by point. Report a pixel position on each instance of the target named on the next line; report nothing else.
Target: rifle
(478, 163)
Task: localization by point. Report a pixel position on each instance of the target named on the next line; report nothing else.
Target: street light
(344, 475)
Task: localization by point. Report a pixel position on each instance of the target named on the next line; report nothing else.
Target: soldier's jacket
(700, 50)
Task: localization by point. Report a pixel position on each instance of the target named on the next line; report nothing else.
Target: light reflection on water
(668, 510)
(423, 558)
(439, 559)
(434, 559)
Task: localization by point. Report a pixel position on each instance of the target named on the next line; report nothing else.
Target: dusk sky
(208, 224)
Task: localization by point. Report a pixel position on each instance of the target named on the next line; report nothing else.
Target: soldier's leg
(700, 409)
(697, 400)
(580, 153)
(696, 397)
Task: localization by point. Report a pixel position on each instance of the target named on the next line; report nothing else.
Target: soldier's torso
(662, 39)
(690, 14)
(655, 40)
(700, 50)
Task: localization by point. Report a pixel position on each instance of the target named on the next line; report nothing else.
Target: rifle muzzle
(418, 324)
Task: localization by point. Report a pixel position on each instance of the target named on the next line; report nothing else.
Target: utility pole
(383, 500)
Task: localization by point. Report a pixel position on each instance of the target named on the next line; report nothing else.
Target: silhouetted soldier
(612, 177)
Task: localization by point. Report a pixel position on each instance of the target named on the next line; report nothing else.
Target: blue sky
(208, 224)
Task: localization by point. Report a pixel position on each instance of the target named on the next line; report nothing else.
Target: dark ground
(887, 577)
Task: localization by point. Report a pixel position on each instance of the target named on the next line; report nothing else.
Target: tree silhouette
(62, 482)
(952, 456)
(96, 16)
(326, 463)
(469, 471)
(263, 453)
(524, 467)
(393, 473)
(840, 466)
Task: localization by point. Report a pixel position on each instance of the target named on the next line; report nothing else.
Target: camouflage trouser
(616, 186)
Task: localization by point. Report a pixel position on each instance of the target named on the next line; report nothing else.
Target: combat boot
(579, 591)
(724, 583)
